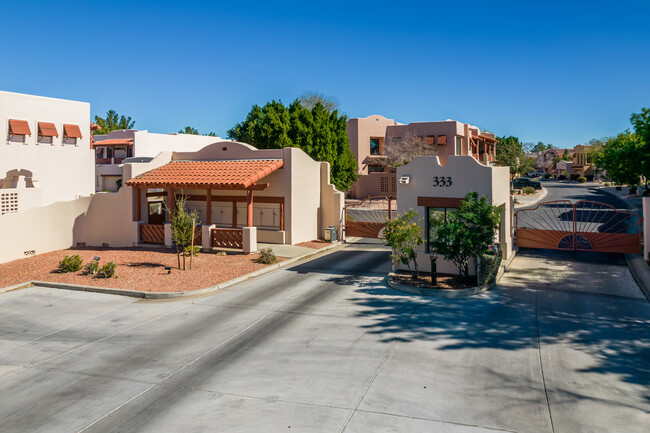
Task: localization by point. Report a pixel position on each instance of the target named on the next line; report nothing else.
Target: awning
(233, 174)
(114, 142)
(430, 140)
(19, 127)
(71, 131)
(490, 139)
(442, 140)
(46, 129)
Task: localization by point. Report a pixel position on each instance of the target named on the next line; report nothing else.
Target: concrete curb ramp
(170, 295)
(439, 293)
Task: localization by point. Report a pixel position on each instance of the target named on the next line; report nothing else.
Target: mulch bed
(316, 244)
(137, 269)
(445, 281)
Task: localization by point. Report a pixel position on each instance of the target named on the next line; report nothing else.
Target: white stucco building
(113, 148)
(45, 154)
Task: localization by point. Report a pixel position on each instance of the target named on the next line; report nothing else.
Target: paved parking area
(326, 347)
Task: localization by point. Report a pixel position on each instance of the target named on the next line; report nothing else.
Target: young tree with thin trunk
(182, 228)
(401, 150)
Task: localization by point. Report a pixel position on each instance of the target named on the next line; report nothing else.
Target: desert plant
(404, 236)
(107, 271)
(266, 256)
(581, 179)
(91, 268)
(528, 190)
(70, 264)
(466, 233)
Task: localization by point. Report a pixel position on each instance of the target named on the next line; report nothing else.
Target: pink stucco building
(371, 136)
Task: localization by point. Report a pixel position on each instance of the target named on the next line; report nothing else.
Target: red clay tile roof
(71, 131)
(237, 174)
(46, 129)
(19, 127)
(114, 142)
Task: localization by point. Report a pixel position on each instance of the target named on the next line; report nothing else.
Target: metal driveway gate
(367, 218)
(581, 226)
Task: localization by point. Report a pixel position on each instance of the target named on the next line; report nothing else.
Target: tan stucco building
(429, 187)
(369, 138)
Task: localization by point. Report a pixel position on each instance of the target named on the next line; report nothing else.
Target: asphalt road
(574, 191)
(562, 345)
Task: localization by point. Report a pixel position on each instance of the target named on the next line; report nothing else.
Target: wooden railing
(198, 236)
(152, 233)
(227, 238)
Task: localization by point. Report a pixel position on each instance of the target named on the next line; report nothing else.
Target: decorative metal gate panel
(367, 218)
(581, 226)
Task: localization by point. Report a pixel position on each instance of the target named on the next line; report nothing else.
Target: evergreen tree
(112, 122)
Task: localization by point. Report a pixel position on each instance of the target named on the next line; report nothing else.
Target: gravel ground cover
(316, 244)
(137, 269)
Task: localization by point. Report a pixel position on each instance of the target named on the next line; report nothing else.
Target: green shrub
(220, 253)
(91, 268)
(528, 190)
(488, 268)
(581, 179)
(561, 177)
(574, 176)
(70, 264)
(107, 271)
(608, 184)
(197, 250)
(267, 257)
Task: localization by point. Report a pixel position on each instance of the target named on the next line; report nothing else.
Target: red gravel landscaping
(137, 269)
(317, 244)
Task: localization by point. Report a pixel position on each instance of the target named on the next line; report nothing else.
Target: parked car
(521, 182)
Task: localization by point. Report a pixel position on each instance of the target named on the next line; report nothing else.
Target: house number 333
(441, 181)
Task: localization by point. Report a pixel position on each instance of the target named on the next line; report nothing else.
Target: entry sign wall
(442, 181)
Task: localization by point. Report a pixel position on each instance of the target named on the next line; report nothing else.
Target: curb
(171, 295)
(438, 293)
(532, 203)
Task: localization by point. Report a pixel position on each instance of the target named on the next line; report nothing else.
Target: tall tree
(112, 122)
(319, 132)
(510, 153)
(310, 99)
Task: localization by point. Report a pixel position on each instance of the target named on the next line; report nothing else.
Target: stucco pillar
(206, 238)
(138, 203)
(249, 208)
(249, 244)
(646, 227)
(168, 235)
(208, 207)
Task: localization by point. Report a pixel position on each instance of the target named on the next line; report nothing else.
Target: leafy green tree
(319, 132)
(510, 153)
(623, 158)
(112, 122)
(310, 99)
(641, 123)
(182, 228)
(540, 147)
(193, 131)
(466, 233)
(404, 237)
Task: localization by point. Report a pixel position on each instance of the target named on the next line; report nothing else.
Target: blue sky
(562, 72)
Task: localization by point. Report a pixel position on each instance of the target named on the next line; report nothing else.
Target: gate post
(575, 235)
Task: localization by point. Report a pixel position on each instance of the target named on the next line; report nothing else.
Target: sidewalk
(525, 200)
(634, 202)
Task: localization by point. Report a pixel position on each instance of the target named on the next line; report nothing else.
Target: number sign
(441, 181)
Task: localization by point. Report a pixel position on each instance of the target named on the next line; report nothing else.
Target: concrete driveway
(562, 345)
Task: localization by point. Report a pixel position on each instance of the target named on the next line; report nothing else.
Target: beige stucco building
(45, 154)
(111, 149)
(370, 137)
(429, 187)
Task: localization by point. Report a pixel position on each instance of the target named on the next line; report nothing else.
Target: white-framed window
(459, 145)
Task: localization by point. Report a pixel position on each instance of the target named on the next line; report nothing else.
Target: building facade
(45, 156)
(111, 149)
(370, 138)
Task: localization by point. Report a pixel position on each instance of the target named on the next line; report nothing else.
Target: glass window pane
(433, 213)
(374, 146)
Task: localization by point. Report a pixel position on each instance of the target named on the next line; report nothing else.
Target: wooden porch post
(170, 203)
(137, 203)
(234, 214)
(249, 208)
(208, 207)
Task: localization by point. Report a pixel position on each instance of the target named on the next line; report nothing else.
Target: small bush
(267, 257)
(220, 253)
(528, 190)
(107, 271)
(590, 177)
(581, 179)
(488, 269)
(70, 264)
(197, 250)
(561, 177)
(574, 176)
(608, 184)
(91, 268)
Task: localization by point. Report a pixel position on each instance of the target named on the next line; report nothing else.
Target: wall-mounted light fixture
(405, 180)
